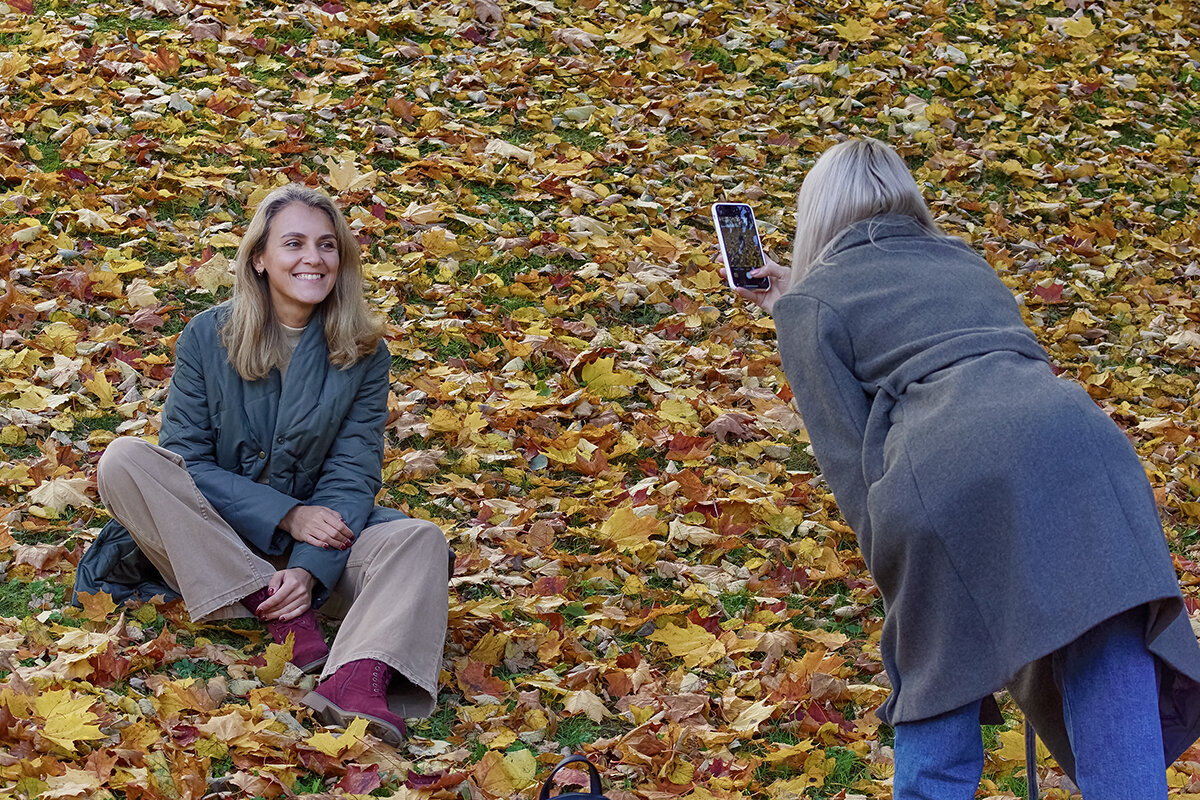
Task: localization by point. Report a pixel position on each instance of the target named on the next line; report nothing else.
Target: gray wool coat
(1000, 511)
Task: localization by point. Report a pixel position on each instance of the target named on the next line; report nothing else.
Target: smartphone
(740, 246)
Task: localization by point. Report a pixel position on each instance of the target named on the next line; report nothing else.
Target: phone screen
(740, 245)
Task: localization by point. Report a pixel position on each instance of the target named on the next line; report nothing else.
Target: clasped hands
(289, 593)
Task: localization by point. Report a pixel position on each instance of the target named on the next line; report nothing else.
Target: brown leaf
(39, 556)
(730, 425)
(98, 606)
(488, 12)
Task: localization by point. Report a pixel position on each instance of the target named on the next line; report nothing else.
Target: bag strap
(1031, 761)
(594, 775)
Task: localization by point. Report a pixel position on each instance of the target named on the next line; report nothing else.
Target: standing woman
(1007, 521)
(260, 496)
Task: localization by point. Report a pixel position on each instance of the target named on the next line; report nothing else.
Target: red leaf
(360, 780)
(689, 448)
(1050, 294)
(435, 780)
(78, 176)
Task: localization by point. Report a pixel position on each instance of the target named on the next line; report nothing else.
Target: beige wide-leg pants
(393, 597)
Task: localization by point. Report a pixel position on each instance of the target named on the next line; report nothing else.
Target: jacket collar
(875, 229)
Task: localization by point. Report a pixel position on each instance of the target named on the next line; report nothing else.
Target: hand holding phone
(741, 248)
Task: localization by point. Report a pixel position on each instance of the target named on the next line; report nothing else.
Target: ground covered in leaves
(650, 569)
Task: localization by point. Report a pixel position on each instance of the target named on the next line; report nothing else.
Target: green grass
(104, 422)
(121, 23)
(189, 668)
(848, 769)
(735, 604)
(15, 596)
(17, 452)
(441, 724)
(228, 632)
(575, 731)
(717, 55)
(311, 783)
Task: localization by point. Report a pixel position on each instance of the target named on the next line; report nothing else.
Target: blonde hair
(852, 181)
(252, 334)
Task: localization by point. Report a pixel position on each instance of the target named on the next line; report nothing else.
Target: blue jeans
(1109, 685)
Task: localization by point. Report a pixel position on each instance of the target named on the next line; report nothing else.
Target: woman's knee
(122, 459)
(414, 537)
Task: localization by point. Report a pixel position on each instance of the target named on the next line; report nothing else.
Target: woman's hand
(289, 594)
(780, 277)
(318, 526)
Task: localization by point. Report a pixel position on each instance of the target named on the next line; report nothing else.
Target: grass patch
(441, 724)
(120, 23)
(196, 668)
(717, 55)
(575, 731)
(21, 599)
(848, 769)
(17, 452)
(736, 604)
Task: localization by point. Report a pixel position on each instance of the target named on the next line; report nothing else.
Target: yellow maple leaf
(600, 377)
(855, 31)
(1011, 747)
(705, 279)
(627, 531)
(96, 607)
(492, 775)
(679, 772)
(58, 493)
(666, 247)
(439, 242)
(346, 177)
(72, 783)
(102, 389)
(68, 719)
(679, 412)
(753, 715)
(629, 36)
(522, 767)
(695, 645)
(332, 745)
(1080, 28)
(277, 656)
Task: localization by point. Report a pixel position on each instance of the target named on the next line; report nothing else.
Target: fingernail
(270, 591)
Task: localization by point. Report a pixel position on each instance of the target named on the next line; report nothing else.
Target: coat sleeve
(252, 509)
(817, 353)
(351, 474)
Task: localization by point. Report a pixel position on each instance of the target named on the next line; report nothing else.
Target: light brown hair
(252, 334)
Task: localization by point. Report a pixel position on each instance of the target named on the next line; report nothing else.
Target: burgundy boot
(358, 689)
(309, 651)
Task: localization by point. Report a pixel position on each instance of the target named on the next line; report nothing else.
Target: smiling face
(300, 261)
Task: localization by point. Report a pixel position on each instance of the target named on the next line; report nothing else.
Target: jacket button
(279, 439)
(262, 454)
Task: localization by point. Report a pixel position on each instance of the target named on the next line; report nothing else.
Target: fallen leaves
(648, 565)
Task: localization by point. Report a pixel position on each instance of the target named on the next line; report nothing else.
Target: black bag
(596, 792)
(114, 564)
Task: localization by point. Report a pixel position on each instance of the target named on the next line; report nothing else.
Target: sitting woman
(260, 496)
